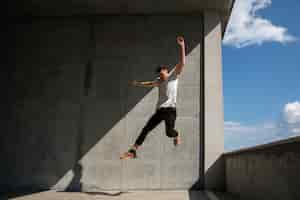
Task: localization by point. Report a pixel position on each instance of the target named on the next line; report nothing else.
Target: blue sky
(261, 72)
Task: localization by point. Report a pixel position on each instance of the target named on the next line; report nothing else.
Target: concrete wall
(72, 113)
(116, 7)
(214, 117)
(47, 60)
(265, 172)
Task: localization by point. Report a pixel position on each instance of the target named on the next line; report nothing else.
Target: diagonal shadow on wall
(68, 80)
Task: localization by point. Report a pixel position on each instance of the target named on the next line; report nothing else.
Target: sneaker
(130, 154)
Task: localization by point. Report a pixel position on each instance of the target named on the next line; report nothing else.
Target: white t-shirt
(167, 90)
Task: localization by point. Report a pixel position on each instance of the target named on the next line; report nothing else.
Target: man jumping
(167, 83)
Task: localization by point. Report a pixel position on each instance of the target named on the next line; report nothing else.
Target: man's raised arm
(181, 63)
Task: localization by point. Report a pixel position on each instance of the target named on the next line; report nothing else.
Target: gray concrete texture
(67, 7)
(266, 172)
(214, 114)
(48, 8)
(146, 195)
(113, 195)
(71, 113)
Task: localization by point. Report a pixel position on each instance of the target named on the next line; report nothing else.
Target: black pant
(167, 114)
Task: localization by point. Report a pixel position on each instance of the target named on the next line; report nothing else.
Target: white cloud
(291, 118)
(238, 135)
(247, 28)
(235, 127)
(292, 112)
(296, 130)
(231, 123)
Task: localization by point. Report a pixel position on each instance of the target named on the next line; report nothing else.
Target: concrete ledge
(47, 8)
(211, 195)
(134, 195)
(264, 146)
(269, 171)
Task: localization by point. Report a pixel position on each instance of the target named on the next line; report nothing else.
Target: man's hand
(180, 40)
(134, 83)
(144, 83)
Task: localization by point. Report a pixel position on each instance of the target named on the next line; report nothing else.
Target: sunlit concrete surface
(134, 195)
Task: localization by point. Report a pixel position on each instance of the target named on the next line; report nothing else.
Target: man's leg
(155, 119)
(170, 118)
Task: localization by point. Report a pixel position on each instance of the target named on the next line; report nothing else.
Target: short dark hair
(160, 67)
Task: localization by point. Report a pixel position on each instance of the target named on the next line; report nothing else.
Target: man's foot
(177, 140)
(130, 154)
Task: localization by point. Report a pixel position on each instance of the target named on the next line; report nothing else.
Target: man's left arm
(179, 66)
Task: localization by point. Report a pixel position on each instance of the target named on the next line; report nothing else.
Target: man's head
(163, 71)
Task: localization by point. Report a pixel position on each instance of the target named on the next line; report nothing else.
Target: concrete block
(267, 171)
(103, 129)
(189, 148)
(188, 103)
(73, 105)
(214, 122)
(141, 174)
(102, 175)
(178, 174)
